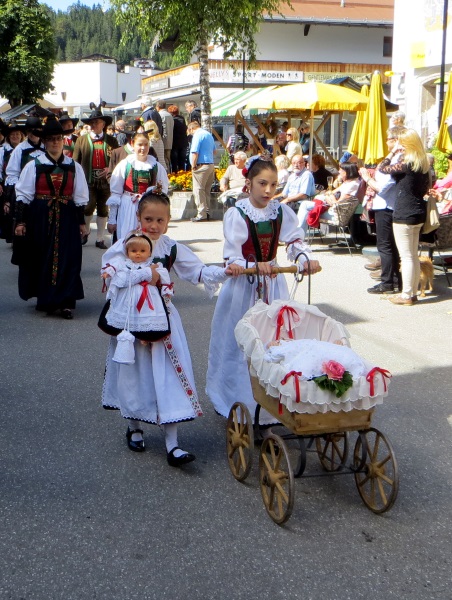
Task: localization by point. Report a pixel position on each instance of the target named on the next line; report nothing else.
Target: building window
(387, 46)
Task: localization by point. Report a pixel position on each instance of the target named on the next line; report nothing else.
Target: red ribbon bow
(296, 381)
(371, 375)
(144, 296)
(291, 312)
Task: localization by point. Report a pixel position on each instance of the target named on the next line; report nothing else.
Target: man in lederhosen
(93, 151)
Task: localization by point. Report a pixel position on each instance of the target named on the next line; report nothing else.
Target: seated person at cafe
(348, 172)
(319, 171)
(300, 186)
(233, 180)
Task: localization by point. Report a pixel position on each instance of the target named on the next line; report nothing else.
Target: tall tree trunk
(204, 82)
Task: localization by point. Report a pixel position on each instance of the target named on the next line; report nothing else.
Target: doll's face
(138, 252)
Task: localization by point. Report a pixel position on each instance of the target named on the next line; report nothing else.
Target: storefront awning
(234, 101)
(129, 106)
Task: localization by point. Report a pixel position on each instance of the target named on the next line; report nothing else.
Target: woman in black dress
(50, 198)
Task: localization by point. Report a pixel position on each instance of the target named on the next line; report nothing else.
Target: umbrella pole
(311, 137)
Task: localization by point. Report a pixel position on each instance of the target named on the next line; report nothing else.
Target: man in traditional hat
(68, 124)
(22, 154)
(25, 152)
(93, 152)
(14, 135)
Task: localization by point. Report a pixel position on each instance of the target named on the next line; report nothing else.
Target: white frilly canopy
(287, 319)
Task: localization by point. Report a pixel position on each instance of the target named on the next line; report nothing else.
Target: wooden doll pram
(319, 422)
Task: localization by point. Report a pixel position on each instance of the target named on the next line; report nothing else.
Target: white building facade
(417, 58)
(76, 85)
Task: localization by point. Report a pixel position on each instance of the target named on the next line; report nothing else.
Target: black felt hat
(97, 114)
(8, 128)
(34, 125)
(64, 118)
(51, 127)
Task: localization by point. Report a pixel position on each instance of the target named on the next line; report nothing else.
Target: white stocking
(133, 424)
(170, 430)
(101, 223)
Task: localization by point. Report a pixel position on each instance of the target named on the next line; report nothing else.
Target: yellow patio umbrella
(444, 141)
(358, 130)
(372, 146)
(312, 96)
(309, 96)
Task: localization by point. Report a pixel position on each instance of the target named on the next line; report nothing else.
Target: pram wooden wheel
(276, 479)
(378, 478)
(332, 449)
(240, 441)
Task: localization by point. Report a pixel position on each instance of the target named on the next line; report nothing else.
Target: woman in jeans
(411, 174)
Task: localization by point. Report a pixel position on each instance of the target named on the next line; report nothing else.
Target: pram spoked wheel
(276, 479)
(240, 441)
(377, 479)
(332, 449)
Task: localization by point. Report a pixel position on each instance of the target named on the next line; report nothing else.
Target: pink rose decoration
(333, 370)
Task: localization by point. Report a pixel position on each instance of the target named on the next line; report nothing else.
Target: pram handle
(276, 270)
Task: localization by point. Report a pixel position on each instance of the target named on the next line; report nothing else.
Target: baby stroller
(317, 418)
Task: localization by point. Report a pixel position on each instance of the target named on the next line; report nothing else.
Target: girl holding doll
(254, 226)
(129, 180)
(159, 387)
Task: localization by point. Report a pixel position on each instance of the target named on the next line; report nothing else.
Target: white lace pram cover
(263, 324)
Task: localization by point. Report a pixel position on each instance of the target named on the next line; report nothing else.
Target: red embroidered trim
(189, 391)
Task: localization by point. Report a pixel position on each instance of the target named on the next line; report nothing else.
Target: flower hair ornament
(265, 156)
(155, 190)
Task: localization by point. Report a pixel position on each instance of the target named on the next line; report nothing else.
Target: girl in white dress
(253, 227)
(130, 179)
(159, 387)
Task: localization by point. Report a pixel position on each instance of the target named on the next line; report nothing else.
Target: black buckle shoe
(134, 446)
(178, 461)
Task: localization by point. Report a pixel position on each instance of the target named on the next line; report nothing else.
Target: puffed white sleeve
(26, 185)
(165, 280)
(117, 184)
(13, 167)
(292, 235)
(125, 276)
(235, 234)
(81, 193)
(113, 258)
(187, 266)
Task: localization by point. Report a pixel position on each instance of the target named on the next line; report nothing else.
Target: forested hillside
(82, 31)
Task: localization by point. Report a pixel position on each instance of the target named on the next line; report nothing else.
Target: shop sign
(152, 86)
(324, 76)
(255, 76)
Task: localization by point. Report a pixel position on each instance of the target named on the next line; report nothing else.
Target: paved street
(84, 518)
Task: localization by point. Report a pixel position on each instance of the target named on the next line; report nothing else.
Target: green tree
(27, 51)
(195, 24)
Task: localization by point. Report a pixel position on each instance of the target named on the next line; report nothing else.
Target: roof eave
(343, 22)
